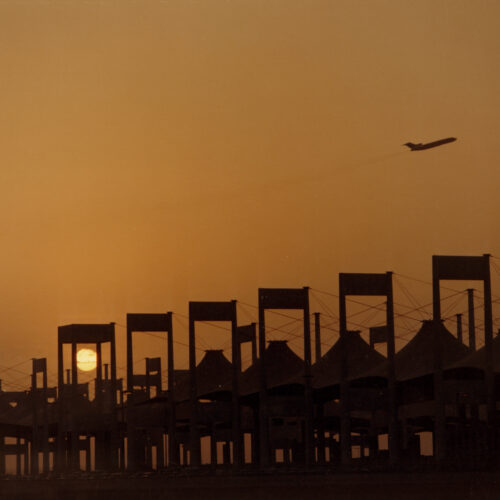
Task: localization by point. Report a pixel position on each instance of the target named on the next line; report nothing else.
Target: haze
(154, 153)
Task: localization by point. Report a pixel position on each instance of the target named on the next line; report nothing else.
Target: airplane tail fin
(410, 145)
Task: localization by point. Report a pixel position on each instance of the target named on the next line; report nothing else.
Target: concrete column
(194, 436)
(460, 335)
(75, 452)
(236, 417)
(317, 336)
(173, 449)
(130, 361)
(213, 447)
(88, 463)
(18, 456)
(488, 359)
(309, 425)
(35, 433)
(59, 456)
(439, 405)
(45, 435)
(264, 452)
(226, 453)
(26, 456)
(345, 423)
(254, 345)
(321, 434)
(160, 455)
(394, 441)
(472, 322)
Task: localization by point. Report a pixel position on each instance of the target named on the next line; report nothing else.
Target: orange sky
(154, 153)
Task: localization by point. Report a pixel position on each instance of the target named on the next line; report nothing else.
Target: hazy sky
(156, 152)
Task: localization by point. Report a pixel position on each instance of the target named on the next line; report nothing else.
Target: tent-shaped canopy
(476, 360)
(281, 365)
(360, 359)
(212, 373)
(417, 358)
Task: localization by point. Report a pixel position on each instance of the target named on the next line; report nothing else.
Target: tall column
(88, 463)
(320, 406)
(394, 441)
(488, 359)
(472, 321)
(321, 433)
(114, 444)
(173, 456)
(113, 366)
(309, 427)
(439, 404)
(99, 393)
(213, 446)
(460, 335)
(345, 421)
(26, 464)
(264, 457)
(236, 361)
(75, 452)
(317, 336)
(130, 361)
(60, 445)
(35, 435)
(160, 461)
(194, 435)
(254, 345)
(45, 446)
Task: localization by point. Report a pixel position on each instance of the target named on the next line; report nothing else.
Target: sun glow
(86, 359)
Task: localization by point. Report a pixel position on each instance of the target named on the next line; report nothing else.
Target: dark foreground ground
(372, 486)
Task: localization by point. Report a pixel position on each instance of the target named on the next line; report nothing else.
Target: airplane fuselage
(428, 145)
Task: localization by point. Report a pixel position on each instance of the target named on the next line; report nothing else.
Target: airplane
(428, 145)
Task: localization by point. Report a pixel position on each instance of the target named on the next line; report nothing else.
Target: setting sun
(86, 359)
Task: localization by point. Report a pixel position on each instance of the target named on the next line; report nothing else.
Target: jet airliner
(428, 145)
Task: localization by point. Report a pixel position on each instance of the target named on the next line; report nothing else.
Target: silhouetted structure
(280, 411)
(367, 284)
(40, 437)
(214, 311)
(78, 416)
(140, 438)
(462, 268)
(284, 298)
